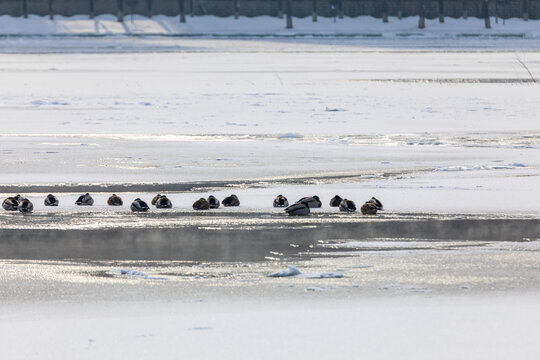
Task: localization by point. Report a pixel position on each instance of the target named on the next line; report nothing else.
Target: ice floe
(292, 271)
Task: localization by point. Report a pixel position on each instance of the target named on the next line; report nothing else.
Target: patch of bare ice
(290, 136)
(136, 274)
(323, 275)
(480, 167)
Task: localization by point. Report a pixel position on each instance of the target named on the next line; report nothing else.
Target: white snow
(500, 327)
(263, 25)
(224, 114)
(425, 120)
(290, 271)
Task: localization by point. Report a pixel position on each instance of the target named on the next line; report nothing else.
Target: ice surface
(264, 132)
(197, 116)
(136, 274)
(324, 275)
(503, 327)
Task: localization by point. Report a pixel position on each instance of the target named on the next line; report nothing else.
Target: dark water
(252, 239)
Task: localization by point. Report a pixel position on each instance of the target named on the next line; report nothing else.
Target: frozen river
(458, 124)
(445, 132)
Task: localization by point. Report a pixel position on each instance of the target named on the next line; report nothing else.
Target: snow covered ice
(130, 121)
(290, 271)
(442, 128)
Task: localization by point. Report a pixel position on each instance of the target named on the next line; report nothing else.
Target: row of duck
(299, 208)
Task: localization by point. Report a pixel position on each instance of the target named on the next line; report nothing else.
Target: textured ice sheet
(241, 123)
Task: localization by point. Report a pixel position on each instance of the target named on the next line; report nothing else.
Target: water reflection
(243, 236)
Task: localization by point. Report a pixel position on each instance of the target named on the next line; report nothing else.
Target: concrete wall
(300, 8)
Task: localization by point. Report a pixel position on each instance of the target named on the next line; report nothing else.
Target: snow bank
(364, 26)
(290, 271)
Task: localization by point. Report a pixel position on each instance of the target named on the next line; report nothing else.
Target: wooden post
(149, 8)
(441, 11)
(191, 9)
(236, 8)
(288, 10)
(422, 15)
(314, 13)
(525, 10)
(340, 9)
(384, 10)
(25, 8)
(485, 13)
(120, 7)
(91, 10)
(51, 9)
(280, 9)
(182, 11)
(465, 9)
(400, 10)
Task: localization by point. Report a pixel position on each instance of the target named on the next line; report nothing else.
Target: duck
(85, 199)
(214, 203)
(201, 204)
(115, 200)
(335, 201)
(376, 202)
(139, 205)
(25, 206)
(155, 199)
(298, 209)
(369, 208)
(163, 202)
(11, 203)
(347, 205)
(231, 201)
(281, 201)
(51, 200)
(312, 201)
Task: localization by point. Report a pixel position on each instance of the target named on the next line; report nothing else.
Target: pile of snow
(292, 271)
(264, 26)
